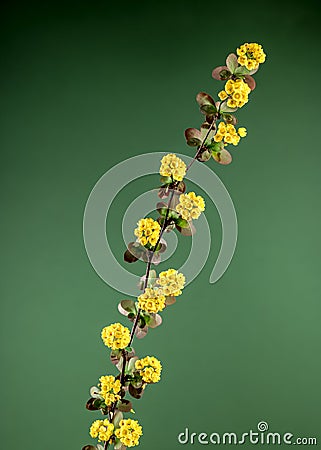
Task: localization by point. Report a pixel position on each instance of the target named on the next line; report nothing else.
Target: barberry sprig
(217, 131)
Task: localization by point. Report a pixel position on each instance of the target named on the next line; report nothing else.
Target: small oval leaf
(127, 306)
(224, 108)
(223, 157)
(250, 82)
(221, 73)
(95, 392)
(141, 332)
(129, 257)
(124, 405)
(231, 62)
(135, 392)
(204, 99)
(193, 137)
(155, 320)
(117, 418)
(187, 231)
(170, 300)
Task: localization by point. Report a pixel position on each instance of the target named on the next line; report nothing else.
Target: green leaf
(221, 73)
(142, 321)
(216, 146)
(241, 70)
(224, 108)
(118, 444)
(209, 110)
(182, 223)
(117, 418)
(120, 363)
(161, 208)
(204, 155)
(210, 135)
(165, 180)
(193, 137)
(187, 231)
(223, 157)
(131, 364)
(231, 62)
(89, 447)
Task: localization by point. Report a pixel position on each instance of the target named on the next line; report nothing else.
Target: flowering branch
(160, 291)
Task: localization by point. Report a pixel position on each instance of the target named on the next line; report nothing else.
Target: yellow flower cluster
(190, 206)
(237, 93)
(115, 336)
(152, 300)
(102, 429)
(149, 369)
(171, 282)
(228, 134)
(148, 231)
(251, 55)
(109, 388)
(129, 432)
(172, 166)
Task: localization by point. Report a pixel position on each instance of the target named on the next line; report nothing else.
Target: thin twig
(211, 127)
(149, 263)
(150, 258)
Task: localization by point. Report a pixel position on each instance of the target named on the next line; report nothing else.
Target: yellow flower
(229, 86)
(152, 300)
(190, 206)
(222, 95)
(218, 137)
(102, 429)
(238, 91)
(171, 282)
(172, 166)
(115, 336)
(228, 134)
(149, 368)
(148, 231)
(129, 432)
(242, 131)
(251, 55)
(109, 388)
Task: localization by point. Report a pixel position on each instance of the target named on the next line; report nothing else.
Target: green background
(87, 85)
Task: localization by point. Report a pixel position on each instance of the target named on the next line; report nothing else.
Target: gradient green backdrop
(87, 85)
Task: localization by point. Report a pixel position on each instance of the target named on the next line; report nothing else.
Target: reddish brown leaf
(221, 73)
